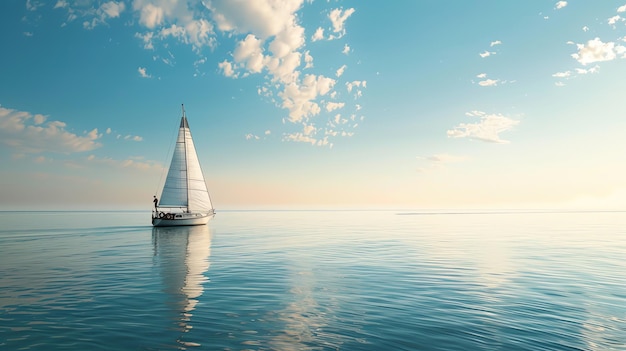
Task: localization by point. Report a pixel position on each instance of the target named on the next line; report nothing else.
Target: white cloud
(482, 75)
(562, 74)
(142, 72)
(227, 68)
(61, 4)
(494, 43)
(153, 13)
(621, 9)
(299, 98)
(346, 49)
(488, 82)
(250, 53)
(356, 83)
(28, 133)
(585, 29)
(597, 51)
(559, 84)
(308, 59)
(589, 70)
(340, 71)
(166, 18)
(319, 34)
(32, 5)
(486, 54)
(111, 9)
(264, 18)
(39, 119)
(488, 129)
(614, 19)
(331, 106)
(338, 18)
(561, 4)
(147, 39)
(108, 131)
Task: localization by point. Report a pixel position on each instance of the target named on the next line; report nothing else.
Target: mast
(185, 126)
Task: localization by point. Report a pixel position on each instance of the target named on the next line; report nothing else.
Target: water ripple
(316, 281)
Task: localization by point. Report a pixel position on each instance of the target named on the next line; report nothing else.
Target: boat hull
(197, 219)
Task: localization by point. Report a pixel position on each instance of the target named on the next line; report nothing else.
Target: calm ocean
(314, 280)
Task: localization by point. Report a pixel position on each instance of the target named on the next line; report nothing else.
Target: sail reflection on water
(182, 254)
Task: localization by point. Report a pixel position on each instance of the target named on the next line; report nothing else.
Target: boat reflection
(182, 254)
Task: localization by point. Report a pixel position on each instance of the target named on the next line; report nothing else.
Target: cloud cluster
(273, 44)
(487, 129)
(269, 41)
(34, 133)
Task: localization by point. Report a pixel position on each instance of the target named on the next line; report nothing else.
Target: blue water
(314, 280)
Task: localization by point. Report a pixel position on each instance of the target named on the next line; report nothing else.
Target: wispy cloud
(130, 137)
(488, 129)
(136, 163)
(573, 74)
(34, 133)
(559, 5)
(562, 74)
(488, 53)
(438, 161)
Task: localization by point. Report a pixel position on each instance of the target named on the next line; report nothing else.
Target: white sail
(185, 186)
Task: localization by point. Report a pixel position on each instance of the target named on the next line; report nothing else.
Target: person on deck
(156, 201)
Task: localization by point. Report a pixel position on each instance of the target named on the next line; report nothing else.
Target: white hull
(188, 219)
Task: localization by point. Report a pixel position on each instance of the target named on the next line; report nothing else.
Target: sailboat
(185, 199)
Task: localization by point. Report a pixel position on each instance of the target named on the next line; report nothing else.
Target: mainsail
(185, 186)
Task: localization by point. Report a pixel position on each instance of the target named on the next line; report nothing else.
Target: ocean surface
(314, 280)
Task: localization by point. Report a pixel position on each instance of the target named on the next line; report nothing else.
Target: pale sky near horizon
(315, 103)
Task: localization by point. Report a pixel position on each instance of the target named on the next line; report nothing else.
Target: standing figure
(156, 201)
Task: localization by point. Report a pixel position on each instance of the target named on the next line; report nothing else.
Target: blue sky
(315, 104)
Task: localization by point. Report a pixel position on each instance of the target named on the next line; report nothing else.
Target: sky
(296, 104)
